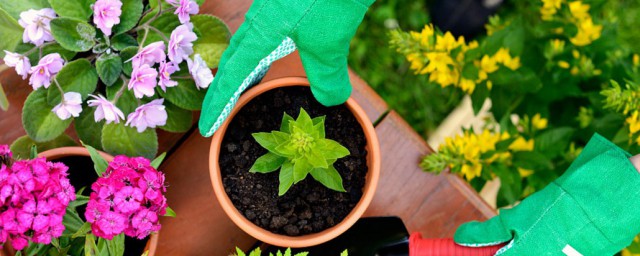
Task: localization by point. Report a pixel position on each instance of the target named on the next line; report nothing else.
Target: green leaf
(286, 120)
(531, 160)
(72, 222)
(285, 178)
(213, 40)
(40, 123)
(109, 67)
(4, 102)
(186, 95)
(34, 57)
(122, 41)
(90, 248)
(115, 246)
(301, 254)
(165, 23)
(15, 7)
(170, 212)
(131, 13)
(318, 127)
(126, 54)
(316, 159)
(158, 160)
(344, 253)
(331, 149)
(267, 163)
(82, 231)
(256, 252)
(99, 163)
(118, 139)
(304, 121)
(76, 76)
(511, 185)
(127, 101)
(21, 147)
(178, 119)
(89, 131)
(10, 32)
(329, 177)
(301, 168)
(266, 140)
(73, 35)
(33, 154)
(554, 142)
(76, 9)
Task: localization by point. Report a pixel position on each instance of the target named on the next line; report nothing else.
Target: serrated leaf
(89, 131)
(76, 76)
(213, 40)
(40, 123)
(285, 178)
(109, 67)
(4, 102)
(267, 163)
(122, 41)
(158, 160)
(178, 119)
(170, 212)
(329, 177)
(186, 95)
(99, 163)
(286, 120)
(332, 149)
(10, 32)
(131, 13)
(21, 147)
(118, 139)
(165, 23)
(76, 9)
(73, 35)
(125, 55)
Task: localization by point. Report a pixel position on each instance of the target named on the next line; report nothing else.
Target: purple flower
(149, 115)
(200, 72)
(105, 110)
(71, 105)
(181, 43)
(106, 14)
(185, 8)
(143, 81)
(150, 54)
(20, 62)
(47, 67)
(36, 25)
(164, 72)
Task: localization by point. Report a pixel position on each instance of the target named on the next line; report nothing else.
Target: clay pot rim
(373, 174)
(57, 153)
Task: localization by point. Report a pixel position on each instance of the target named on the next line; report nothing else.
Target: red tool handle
(446, 247)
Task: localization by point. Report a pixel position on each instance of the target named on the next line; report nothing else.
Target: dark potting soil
(82, 174)
(308, 207)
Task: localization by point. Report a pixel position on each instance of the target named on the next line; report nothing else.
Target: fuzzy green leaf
(99, 163)
(186, 95)
(284, 125)
(40, 123)
(76, 76)
(213, 40)
(267, 163)
(109, 67)
(329, 177)
(178, 119)
(122, 41)
(285, 178)
(73, 35)
(21, 147)
(89, 131)
(15, 7)
(165, 23)
(125, 55)
(4, 102)
(118, 139)
(127, 101)
(131, 12)
(10, 32)
(76, 9)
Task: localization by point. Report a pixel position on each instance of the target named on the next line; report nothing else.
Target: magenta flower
(149, 115)
(20, 62)
(200, 72)
(164, 74)
(110, 224)
(150, 54)
(105, 110)
(185, 8)
(106, 14)
(181, 43)
(47, 67)
(5, 152)
(143, 81)
(128, 199)
(71, 105)
(36, 25)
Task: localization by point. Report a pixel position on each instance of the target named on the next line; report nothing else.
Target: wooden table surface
(431, 204)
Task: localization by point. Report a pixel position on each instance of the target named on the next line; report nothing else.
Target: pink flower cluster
(33, 197)
(127, 199)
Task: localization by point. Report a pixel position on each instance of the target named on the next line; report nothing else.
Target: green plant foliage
(99, 163)
(40, 123)
(165, 23)
(75, 9)
(10, 32)
(73, 35)
(121, 139)
(298, 149)
(178, 119)
(287, 252)
(109, 66)
(122, 41)
(131, 13)
(213, 38)
(21, 147)
(186, 95)
(125, 55)
(76, 76)
(4, 102)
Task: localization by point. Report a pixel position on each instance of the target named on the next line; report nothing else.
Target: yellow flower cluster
(549, 8)
(487, 65)
(587, 31)
(634, 125)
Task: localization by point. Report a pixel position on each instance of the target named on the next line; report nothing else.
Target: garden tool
(320, 30)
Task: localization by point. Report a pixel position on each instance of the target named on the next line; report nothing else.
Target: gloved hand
(592, 209)
(320, 29)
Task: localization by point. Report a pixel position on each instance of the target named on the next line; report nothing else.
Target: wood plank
(434, 205)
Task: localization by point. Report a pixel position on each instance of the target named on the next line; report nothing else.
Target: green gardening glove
(593, 209)
(320, 29)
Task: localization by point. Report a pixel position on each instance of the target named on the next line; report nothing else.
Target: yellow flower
(472, 45)
(467, 85)
(579, 10)
(575, 53)
(557, 46)
(575, 71)
(563, 64)
(438, 61)
(538, 122)
(471, 171)
(416, 62)
(503, 56)
(489, 85)
(587, 33)
(549, 8)
(488, 64)
(447, 42)
(634, 123)
(521, 144)
(524, 172)
(425, 36)
(636, 60)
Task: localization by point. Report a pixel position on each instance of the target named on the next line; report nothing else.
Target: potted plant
(83, 221)
(118, 68)
(262, 186)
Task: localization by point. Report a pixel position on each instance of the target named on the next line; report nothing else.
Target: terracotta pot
(373, 174)
(54, 154)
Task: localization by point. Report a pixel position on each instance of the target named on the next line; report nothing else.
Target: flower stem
(160, 33)
(55, 80)
(30, 51)
(121, 91)
(144, 38)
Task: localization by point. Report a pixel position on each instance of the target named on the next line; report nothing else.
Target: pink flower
(144, 222)
(111, 224)
(106, 14)
(128, 199)
(36, 25)
(47, 67)
(143, 81)
(149, 115)
(164, 72)
(150, 54)
(5, 152)
(185, 8)
(200, 72)
(20, 62)
(71, 105)
(181, 43)
(105, 110)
